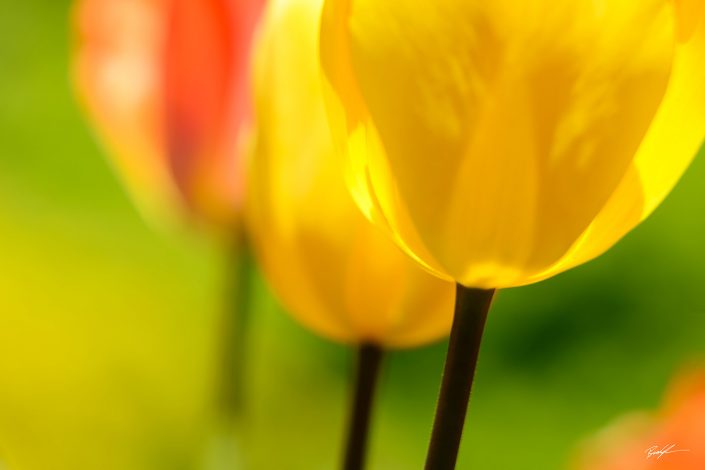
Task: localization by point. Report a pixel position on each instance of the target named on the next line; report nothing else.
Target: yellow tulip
(500, 143)
(503, 142)
(332, 269)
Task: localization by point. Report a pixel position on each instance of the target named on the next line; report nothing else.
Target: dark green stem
(369, 360)
(471, 308)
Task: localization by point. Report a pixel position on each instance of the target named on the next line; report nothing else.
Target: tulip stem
(234, 328)
(471, 308)
(368, 365)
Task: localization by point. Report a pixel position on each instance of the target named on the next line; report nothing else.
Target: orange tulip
(166, 84)
(672, 440)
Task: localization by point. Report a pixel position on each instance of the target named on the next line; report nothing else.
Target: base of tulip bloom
(368, 365)
(471, 308)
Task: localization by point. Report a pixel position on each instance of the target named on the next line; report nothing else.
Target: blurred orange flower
(166, 84)
(673, 439)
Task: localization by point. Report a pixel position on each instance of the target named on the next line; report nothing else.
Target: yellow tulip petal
(502, 123)
(671, 143)
(690, 14)
(335, 271)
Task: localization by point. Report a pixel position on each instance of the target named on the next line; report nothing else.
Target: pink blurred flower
(166, 84)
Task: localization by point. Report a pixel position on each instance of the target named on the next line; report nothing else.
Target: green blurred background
(109, 328)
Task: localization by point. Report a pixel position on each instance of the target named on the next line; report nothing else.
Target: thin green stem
(224, 450)
(471, 308)
(234, 327)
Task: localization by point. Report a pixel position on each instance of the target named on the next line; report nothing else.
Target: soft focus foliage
(503, 142)
(166, 83)
(680, 423)
(332, 268)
